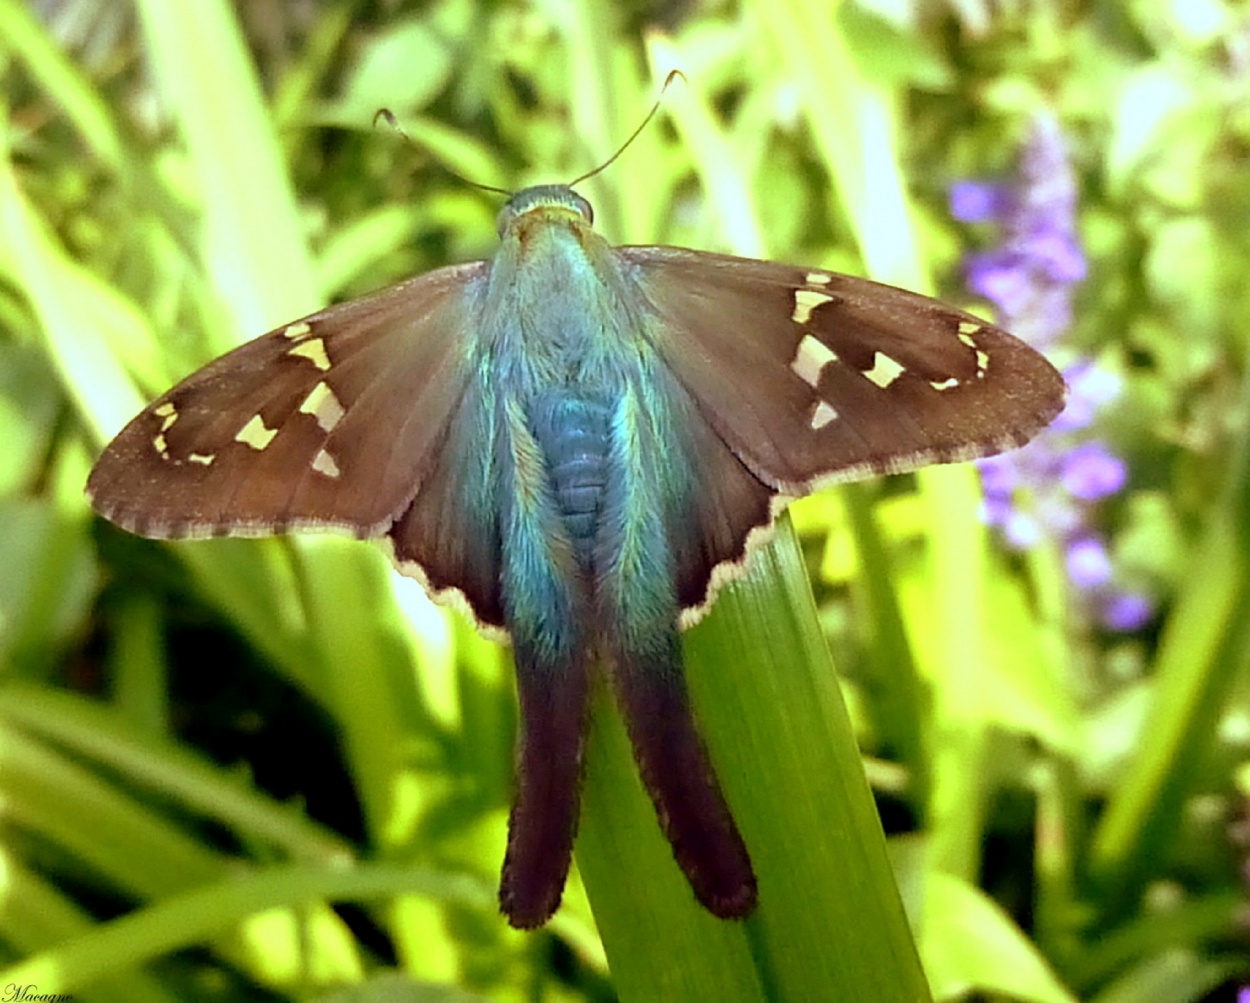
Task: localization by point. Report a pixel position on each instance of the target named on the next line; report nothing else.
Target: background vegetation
(254, 770)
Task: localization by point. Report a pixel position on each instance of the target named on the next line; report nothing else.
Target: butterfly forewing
(328, 422)
(812, 377)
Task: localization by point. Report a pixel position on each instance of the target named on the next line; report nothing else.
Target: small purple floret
(1127, 612)
(1092, 472)
(1088, 564)
(1029, 276)
(1090, 388)
(977, 201)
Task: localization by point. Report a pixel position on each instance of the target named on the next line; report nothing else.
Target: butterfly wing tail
(553, 701)
(678, 775)
(655, 552)
(545, 611)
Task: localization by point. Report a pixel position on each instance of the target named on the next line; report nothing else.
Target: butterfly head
(546, 201)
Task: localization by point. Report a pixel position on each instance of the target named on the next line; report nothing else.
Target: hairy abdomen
(574, 437)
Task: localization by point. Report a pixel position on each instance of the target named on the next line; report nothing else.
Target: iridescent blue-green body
(589, 479)
(578, 443)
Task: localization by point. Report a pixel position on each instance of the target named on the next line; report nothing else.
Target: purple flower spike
(1091, 472)
(1040, 251)
(1029, 277)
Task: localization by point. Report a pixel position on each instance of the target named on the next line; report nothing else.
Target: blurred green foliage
(271, 770)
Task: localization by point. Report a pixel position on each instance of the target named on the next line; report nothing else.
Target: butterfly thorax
(555, 288)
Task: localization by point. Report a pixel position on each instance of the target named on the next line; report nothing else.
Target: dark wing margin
(333, 422)
(811, 377)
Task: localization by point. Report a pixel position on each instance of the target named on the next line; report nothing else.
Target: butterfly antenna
(672, 75)
(388, 116)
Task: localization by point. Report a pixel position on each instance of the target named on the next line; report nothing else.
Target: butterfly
(578, 443)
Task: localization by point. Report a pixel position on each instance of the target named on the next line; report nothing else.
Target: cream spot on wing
(161, 446)
(811, 357)
(884, 370)
(966, 330)
(324, 463)
(203, 459)
(945, 384)
(822, 416)
(168, 413)
(805, 301)
(300, 329)
(255, 434)
(323, 405)
(314, 350)
(817, 279)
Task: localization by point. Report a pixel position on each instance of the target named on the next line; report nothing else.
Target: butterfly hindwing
(449, 537)
(723, 503)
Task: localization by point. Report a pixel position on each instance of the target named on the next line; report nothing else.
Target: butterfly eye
(506, 215)
(584, 207)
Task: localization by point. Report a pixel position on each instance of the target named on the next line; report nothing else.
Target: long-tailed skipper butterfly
(578, 442)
